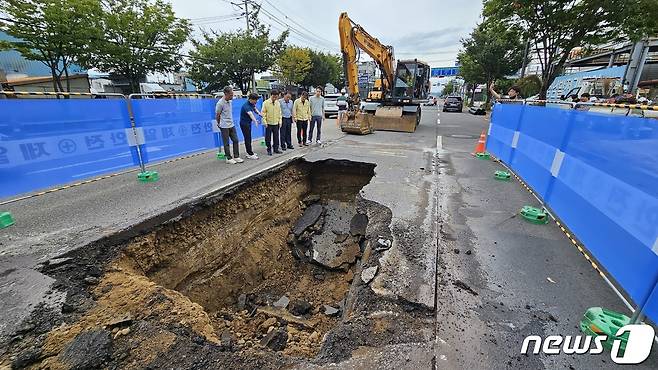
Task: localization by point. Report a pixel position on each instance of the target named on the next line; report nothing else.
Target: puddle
(264, 267)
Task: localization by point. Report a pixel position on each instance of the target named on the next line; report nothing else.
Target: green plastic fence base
(148, 176)
(262, 143)
(502, 175)
(483, 155)
(6, 220)
(534, 215)
(221, 156)
(600, 321)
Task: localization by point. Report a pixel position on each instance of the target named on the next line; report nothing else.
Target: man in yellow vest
(301, 114)
(272, 120)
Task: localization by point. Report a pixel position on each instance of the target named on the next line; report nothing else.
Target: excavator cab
(412, 82)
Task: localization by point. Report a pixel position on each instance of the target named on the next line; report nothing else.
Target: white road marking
(439, 144)
(438, 121)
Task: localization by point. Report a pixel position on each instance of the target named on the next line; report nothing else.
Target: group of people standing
(278, 113)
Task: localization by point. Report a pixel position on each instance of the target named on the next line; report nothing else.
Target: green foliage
(492, 51)
(469, 69)
(449, 88)
(140, 37)
(221, 59)
(557, 26)
(324, 68)
(293, 65)
(530, 85)
(502, 85)
(53, 32)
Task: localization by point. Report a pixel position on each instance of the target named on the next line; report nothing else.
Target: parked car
(431, 101)
(330, 107)
(453, 103)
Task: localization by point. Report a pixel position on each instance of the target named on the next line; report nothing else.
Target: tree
(293, 65)
(221, 59)
(555, 27)
(325, 68)
(471, 72)
(449, 88)
(53, 32)
(495, 48)
(530, 85)
(140, 37)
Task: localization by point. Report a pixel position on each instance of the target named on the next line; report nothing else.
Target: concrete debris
(551, 280)
(299, 307)
(308, 219)
(282, 302)
(120, 321)
(227, 339)
(242, 301)
(285, 316)
(267, 323)
(368, 274)
(456, 251)
(122, 332)
(276, 340)
(89, 350)
(54, 262)
(331, 311)
(383, 244)
(314, 337)
(340, 238)
(311, 199)
(358, 224)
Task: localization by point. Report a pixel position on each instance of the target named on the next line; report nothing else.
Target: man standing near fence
(247, 117)
(224, 117)
(301, 114)
(272, 120)
(317, 114)
(286, 121)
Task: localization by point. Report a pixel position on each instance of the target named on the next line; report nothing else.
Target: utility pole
(246, 15)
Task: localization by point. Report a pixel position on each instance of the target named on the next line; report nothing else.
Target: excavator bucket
(392, 118)
(357, 123)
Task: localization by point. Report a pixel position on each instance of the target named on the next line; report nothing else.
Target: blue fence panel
(177, 127)
(606, 189)
(47, 142)
(504, 122)
(174, 127)
(541, 132)
(607, 193)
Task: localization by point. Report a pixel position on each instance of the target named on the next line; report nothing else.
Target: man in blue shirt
(247, 116)
(286, 121)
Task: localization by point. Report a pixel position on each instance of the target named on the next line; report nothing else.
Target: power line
(320, 38)
(293, 30)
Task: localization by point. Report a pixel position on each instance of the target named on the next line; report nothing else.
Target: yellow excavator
(400, 90)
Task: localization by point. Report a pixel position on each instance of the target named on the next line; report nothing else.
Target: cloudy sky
(423, 29)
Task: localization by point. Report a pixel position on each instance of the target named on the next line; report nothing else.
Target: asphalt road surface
(466, 277)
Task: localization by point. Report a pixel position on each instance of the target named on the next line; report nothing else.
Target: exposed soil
(231, 275)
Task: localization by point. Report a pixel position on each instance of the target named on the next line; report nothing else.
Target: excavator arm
(352, 36)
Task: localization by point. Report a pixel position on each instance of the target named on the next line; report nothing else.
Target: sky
(423, 29)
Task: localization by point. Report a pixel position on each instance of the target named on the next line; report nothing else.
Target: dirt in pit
(225, 275)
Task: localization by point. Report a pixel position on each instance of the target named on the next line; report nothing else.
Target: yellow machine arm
(352, 36)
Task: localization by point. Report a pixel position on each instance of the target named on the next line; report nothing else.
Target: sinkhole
(266, 265)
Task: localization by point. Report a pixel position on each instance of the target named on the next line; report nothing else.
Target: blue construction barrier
(46, 142)
(180, 126)
(599, 174)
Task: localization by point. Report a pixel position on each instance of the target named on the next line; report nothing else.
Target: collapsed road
(391, 250)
